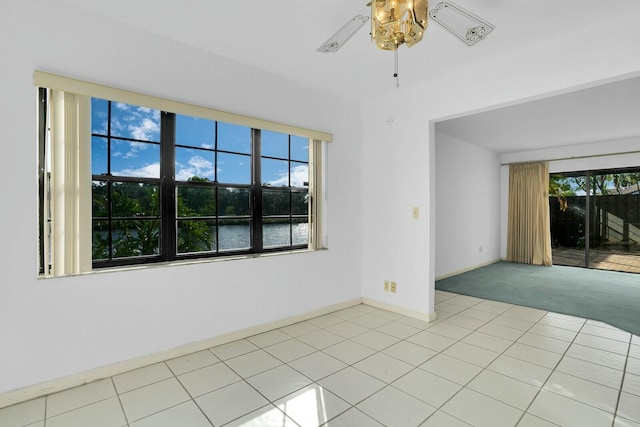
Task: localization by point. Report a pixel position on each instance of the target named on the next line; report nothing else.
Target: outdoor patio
(604, 260)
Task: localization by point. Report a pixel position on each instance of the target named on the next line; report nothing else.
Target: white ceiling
(281, 37)
(602, 113)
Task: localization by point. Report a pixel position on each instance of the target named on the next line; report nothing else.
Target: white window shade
(80, 87)
(70, 183)
(317, 189)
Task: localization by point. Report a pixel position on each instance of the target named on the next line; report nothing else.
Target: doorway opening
(595, 219)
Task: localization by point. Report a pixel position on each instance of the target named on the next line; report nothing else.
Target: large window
(165, 186)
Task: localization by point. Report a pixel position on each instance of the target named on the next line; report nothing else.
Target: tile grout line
(351, 365)
(124, 413)
(376, 351)
(624, 373)
(587, 379)
(152, 383)
(191, 397)
(46, 404)
(390, 384)
(552, 372)
(572, 342)
(464, 386)
(81, 406)
(526, 411)
(244, 379)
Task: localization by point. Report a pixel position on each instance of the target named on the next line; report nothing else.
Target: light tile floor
(482, 363)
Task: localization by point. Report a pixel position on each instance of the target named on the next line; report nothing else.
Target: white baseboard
(427, 317)
(464, 270)
(65, 383)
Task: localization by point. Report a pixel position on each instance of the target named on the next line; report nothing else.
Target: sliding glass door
(567, 208)
(595, 219)
(615, 220)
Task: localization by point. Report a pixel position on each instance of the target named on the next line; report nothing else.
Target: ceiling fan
(397, 22)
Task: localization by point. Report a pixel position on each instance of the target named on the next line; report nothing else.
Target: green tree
(604, 184)
(560, 187)
(135, 220)
(623, 181)
(196, 235)
(134, 229)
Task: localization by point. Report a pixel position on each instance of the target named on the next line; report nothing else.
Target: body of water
(238, 237)
(273, 235)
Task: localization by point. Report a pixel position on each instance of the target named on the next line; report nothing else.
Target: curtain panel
(529, 231)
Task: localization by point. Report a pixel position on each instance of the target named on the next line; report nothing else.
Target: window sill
(186, 262)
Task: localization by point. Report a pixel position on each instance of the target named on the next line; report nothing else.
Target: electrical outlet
(393, 287)
(386, 286)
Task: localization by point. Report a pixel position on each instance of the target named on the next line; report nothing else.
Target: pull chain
(395, 74)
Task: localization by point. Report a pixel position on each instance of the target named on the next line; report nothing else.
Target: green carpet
(608, 296)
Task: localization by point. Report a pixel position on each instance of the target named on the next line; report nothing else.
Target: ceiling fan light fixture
(398, 22)
(466, 26)
(341, 36)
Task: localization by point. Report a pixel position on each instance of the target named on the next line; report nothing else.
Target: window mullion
(290, 192)
(109, 184)
(42, 181)
(216, 189)
(167, 212)
(256, 192)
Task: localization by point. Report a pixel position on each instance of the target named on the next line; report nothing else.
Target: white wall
(57, 327)
(396, 170)
(399, 159)
(467, 205)
(593, 156)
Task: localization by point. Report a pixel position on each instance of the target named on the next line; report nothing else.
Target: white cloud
(147, 171)
(200, 163)
(103, 123)
(139, 122)
(299, 175)
(196, 166)
(184, 174)
(134, 149)
(117, 128)
(147, 129)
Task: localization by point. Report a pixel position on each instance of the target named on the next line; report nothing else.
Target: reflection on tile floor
(482, 363)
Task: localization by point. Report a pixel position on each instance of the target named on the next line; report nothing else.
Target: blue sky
(142, 159)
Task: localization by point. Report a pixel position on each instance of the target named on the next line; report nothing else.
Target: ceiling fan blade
(341, 36)
(463, 24)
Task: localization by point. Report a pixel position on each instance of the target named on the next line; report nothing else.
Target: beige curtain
(529, 232)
